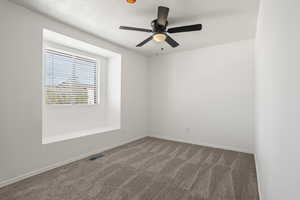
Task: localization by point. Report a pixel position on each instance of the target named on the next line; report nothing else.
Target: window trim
(75, 52)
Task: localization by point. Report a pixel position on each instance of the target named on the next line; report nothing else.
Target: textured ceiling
(223, 20)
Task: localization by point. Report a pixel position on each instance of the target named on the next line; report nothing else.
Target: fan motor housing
(157, 28)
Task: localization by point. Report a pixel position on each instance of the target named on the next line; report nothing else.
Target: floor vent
(94, 157)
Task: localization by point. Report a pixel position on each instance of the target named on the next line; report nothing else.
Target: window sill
(68, 136)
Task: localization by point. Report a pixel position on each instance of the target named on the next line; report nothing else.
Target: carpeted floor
(147, 169)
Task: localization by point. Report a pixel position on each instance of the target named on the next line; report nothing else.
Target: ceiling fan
(160, 31)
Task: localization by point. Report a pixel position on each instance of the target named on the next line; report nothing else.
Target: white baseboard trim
(258, 177)
(59, 164)
(204, 144)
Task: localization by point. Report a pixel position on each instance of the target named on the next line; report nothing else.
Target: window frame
(75, 52)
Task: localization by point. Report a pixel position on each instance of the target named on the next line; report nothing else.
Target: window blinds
(69, 79)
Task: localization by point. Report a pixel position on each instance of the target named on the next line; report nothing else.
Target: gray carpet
(146, 169)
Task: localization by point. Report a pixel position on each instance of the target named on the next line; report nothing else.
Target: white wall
(278, 99)
(205, 96)
(21, 148)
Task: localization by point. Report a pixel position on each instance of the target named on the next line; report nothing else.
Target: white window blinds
(69, 79)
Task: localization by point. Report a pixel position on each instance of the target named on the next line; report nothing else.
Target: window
(69, 79)
(81, 88)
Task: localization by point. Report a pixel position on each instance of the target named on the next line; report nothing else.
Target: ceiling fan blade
(196, 27)
(162, 15)
(145, 41)
(135, 29)
(171, 42)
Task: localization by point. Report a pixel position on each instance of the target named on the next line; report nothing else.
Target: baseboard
(258, 177)
(204, 144)
(59, 164)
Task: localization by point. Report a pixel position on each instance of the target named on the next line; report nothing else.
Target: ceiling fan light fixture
(159, 30)
(158, 37)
